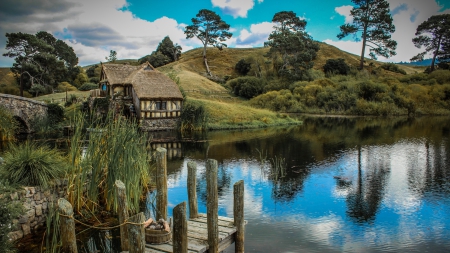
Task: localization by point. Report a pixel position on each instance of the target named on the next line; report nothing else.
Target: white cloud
(90, 32)
(235, 8)
(345, 11)
(408, 15)
(258, 34)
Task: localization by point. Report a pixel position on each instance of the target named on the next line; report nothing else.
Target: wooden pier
(197, 236)
(200, 233)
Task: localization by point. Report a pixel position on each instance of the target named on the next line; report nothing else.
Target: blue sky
(134, 28)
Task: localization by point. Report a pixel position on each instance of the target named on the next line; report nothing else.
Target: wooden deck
(198, 236)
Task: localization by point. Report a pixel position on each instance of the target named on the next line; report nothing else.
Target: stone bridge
(24, 110)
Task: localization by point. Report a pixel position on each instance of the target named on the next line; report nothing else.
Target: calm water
(351, 185)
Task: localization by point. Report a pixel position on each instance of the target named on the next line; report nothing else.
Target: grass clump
(32, 165)
(8, 125)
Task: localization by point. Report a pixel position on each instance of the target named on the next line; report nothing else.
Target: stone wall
(36, 202)
(24, 108)
(159, 124)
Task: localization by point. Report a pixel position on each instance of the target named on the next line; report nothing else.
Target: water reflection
(351, 184)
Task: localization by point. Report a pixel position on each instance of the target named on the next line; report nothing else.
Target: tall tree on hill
(165, 53)
(373, 19)
(210, 29)
(290, 43)
(434, 35)
(112, 56)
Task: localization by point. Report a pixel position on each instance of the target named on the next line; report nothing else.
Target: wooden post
(67, 227)
(136, 234)
(179, 239)
(192, 189)
(161, 184)
(212, 206)
(238, 210)
(122, 210)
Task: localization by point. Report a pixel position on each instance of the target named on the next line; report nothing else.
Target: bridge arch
(25, 109)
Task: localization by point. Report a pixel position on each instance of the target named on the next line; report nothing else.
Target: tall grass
(33, 165)
(114, 150)
(194, 116)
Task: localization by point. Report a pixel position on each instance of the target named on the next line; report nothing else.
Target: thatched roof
(147, 82)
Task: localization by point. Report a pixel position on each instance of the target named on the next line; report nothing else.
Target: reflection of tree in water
(363, 201)
(433, 176)
(223, 183)
(99, 241)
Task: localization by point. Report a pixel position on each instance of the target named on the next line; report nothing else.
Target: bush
(247, 87)
(369, 90)
(88, 86)
(393, 68)
(243, 67)
(193, 116)
(8, 125)
(65, 86)
(32, 165)
(336, 66)
(55, 113)
(37, 90)
(94, 79)
(441, 76)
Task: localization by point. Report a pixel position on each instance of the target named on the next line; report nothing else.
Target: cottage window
(161, 105)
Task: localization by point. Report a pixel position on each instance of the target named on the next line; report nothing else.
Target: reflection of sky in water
(316, 219)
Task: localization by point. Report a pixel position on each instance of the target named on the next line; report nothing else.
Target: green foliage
(441, 76)
(101, 104)
(336, 66)
(40, 59)
(165, 53)
(172, 75)
(243, 67)
(90, 72)
(156, 59)
(9, 210)
(80, 79)
(55, 113)
(373, 19)
(433, 35)
(37, 89)
(292, 49)
(393, 68)
(105, 160)
(88, 86)
(32, 165)
(247, 86)
(194, 116)
(94, 80)
(370, 91)
(8, 125)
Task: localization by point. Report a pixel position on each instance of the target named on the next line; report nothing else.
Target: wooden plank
(202, 233)
(223, 245)
(203, 225)
(220, 222)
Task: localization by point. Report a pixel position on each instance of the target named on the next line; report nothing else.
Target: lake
(344, 184)
(350, 184)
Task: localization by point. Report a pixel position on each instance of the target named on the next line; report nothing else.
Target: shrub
(243, 67)
(336, 66)
(441, 76)
(55, 113)
(37, 90)
(94, 79)
(32, 165)
(8, 125)
(65, 86)
(247, 87)
(368, 90)
(393, 68)
(193, 116)
(88, 86)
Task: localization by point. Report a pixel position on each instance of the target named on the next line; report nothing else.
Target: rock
(38, 209)
(37, 196)
(26, 228)
(16, 235)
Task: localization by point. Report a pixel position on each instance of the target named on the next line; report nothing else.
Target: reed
(278, 168)
(109, 151)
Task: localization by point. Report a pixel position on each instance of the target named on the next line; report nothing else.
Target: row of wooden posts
(132, 234)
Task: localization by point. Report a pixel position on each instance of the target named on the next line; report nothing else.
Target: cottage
(154, 97)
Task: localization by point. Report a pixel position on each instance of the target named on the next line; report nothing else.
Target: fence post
(212, 206)
(122, 210)
(67, 227)
(136, 233)
(161, 183)
(192, 189)
(179, 240)
(238, 210)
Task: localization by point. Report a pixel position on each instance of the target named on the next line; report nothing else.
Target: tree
(373, 19)
(434, 35)
(292, 50)
(24, 47)
(112, 56)
(165, 53)
(210, 29)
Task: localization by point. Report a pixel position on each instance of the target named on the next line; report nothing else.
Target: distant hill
(424, 63)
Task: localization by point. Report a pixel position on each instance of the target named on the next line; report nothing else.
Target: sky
(134, 28)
